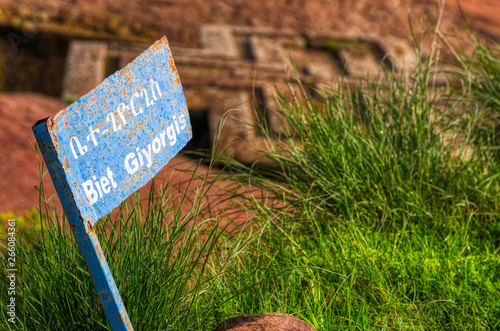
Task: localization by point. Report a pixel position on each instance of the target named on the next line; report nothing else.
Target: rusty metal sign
(108, 144)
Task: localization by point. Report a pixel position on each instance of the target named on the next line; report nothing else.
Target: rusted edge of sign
(83, 231)
(49, 150)
(138, 114)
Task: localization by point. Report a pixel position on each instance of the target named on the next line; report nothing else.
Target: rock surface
(265, 322)
(19, 172)
(149, 20)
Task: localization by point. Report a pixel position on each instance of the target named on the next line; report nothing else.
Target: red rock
(265, 322)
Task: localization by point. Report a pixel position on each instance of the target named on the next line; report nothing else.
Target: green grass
(386, 210)
(156, 251)
(376, 210)
(480, 76)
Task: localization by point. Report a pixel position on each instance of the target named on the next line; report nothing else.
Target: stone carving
(236, 66)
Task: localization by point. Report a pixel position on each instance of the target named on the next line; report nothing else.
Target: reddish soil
(19, 170)
(481, 15)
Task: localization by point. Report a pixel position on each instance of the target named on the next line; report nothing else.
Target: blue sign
(114, 139)
(110, 143)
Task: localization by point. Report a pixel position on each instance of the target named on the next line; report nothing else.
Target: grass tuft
(381, 212)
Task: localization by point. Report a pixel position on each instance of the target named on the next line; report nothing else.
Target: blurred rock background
(227, 52)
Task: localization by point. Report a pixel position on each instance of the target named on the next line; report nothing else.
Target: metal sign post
(108, 144)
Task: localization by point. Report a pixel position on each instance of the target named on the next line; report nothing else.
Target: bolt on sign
(108, 144)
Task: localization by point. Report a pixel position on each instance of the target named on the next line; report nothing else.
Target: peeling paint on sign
(114, 139)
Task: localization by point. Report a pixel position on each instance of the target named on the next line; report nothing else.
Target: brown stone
(265, 322)
(85, 65)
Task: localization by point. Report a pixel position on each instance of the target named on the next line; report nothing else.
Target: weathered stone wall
(234, 66)
(85, 67)
(34, 64)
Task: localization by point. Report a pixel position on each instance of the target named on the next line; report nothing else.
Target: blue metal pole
(82, 228)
